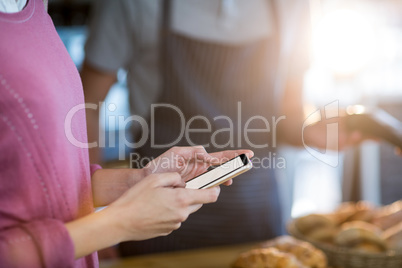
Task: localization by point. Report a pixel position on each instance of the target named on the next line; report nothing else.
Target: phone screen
(221, 173)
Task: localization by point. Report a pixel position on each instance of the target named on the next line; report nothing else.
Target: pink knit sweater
(44, 178)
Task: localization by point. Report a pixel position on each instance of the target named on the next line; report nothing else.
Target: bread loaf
(359, 238)
(393, 237)
(266, 258)
(313, 222)
(306, 253)
(284, 251)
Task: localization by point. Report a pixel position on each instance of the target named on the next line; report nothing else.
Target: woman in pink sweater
(47, 189)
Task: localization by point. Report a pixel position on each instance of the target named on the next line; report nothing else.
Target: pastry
(345, 211)
(353, 237)
(389, 215)
(324, 234)
(393, 237)
(312, 222)
(390, 209)
(306, 253)
(362, 225)
(266, 258)
(360, 211)
(357, 226)
(365, 211)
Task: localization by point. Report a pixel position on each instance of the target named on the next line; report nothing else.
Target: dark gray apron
(211, 79)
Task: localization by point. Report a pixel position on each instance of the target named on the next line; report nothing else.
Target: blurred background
(356, 57)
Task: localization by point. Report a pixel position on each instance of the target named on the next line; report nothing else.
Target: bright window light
(344, 41)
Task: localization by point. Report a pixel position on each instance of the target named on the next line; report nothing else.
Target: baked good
(266, 258)
(357, 226)
(360, 211)
(313, 222)
(362, 225)
(393, 237)
(365, 211)
(324, 234)
(306, 253)
(389, 217)
(366, 247)
(390, 209)
(358, 238)
(345, 211)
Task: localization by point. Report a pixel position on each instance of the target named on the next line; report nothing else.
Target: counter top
(219, 257)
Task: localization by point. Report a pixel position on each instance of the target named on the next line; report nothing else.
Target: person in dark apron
(212, 80)
(222, 81)
(215, 85)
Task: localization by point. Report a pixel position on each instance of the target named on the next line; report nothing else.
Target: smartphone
(221, 173)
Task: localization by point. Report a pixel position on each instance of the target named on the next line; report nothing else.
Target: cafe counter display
(282, 252)
(355, 235)
(200, 258)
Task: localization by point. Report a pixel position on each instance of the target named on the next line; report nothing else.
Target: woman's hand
(190, 161)
(109, 184)
(155, 206)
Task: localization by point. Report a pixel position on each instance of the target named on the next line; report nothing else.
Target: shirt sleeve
(40, 243)
(111, 36)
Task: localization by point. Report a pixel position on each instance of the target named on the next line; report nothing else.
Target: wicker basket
(346, 258)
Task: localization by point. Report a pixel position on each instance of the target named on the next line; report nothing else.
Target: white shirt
(12, 6)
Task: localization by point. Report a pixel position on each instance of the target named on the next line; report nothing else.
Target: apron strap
(164, 32)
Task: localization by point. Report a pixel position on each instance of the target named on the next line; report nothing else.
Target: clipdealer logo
(238, 129)
(330, 111)
(237, 132)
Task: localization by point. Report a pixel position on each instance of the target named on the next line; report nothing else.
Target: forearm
(109, 184)
(93, 232)
(290, 129)
(153, 207)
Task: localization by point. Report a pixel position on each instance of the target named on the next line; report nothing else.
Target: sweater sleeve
(94, 167)
(40, 243)
(29, 236)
